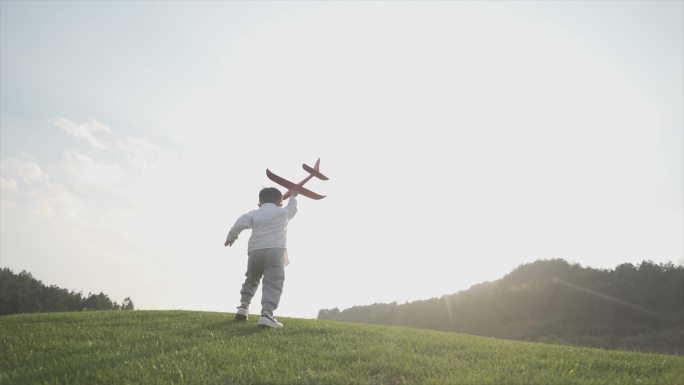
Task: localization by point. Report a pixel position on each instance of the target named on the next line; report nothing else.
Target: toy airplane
(313, 171)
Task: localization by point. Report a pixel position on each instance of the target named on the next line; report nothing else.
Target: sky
(462, 139)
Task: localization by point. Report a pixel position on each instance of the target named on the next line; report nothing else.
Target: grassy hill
(181, 347)
(630, 307)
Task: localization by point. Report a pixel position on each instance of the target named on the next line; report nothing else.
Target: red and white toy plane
(313, 171)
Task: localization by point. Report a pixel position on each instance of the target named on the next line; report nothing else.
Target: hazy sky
(461, 139)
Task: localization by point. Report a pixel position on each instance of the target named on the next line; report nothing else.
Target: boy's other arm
(244, 222)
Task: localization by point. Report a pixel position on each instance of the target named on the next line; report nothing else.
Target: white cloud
(84, 131)
(8, 184)
(128, 151)
(140, 153)
(26, 187)
(90, 170)
(21, 169)
(96, 188)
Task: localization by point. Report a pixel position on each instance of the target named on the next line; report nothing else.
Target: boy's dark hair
(270, 195)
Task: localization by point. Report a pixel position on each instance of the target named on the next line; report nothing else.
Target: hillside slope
(629, 307)
(180, 347)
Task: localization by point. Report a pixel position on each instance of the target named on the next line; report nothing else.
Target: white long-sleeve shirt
(268, 224)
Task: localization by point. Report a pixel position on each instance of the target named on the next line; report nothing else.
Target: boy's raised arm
(292, 204)
(244, 222)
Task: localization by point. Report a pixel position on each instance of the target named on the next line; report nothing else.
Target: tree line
(21, 293)
(630, 307)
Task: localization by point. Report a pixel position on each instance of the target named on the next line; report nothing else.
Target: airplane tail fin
(314, 170)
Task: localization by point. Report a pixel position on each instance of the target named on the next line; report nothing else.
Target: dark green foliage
(630, 307)
(127, 304)
(21, 293)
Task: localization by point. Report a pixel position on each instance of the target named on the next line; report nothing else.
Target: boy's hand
(228, 243)
(294, 193)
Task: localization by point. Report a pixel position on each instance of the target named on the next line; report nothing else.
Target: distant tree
(99, 302)
(329, 314)
(21, 293)
(552, 300)
(127, 304)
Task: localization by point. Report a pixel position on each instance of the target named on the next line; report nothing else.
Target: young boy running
(266, 251)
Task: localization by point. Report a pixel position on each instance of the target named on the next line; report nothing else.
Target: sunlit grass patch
(180, 347)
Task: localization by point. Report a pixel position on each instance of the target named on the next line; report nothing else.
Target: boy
(266, 251)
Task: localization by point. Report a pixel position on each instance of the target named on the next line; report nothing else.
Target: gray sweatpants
(268, 263)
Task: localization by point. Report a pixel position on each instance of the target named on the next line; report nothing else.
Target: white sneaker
(242, 314)
(269, 321)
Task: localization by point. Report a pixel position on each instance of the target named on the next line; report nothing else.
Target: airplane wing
(281, 181)
(310, 194)
(307, 193)
(292, 186)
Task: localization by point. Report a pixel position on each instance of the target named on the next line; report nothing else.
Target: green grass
(181, 347)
